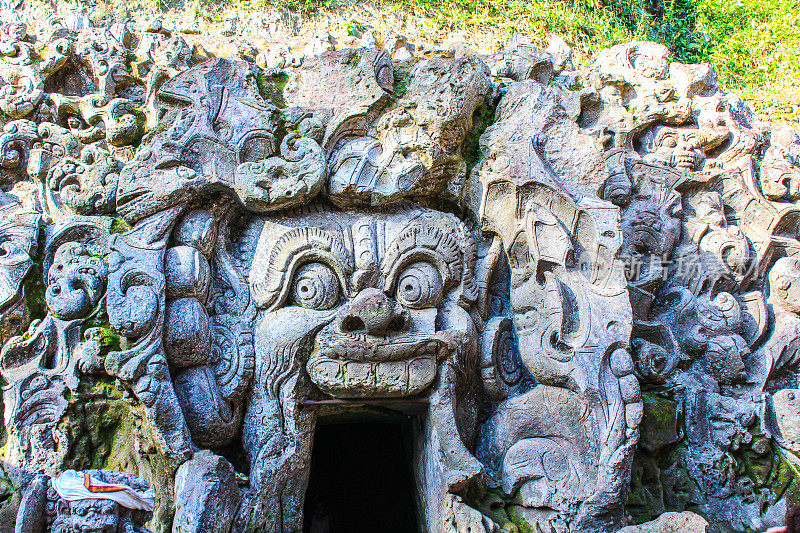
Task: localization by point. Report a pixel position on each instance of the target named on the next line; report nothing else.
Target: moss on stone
(101, 331)
(494, 506)
(354, 60)
(10, 498)
(108, 429)
(271, 85)
(33, 287)
(515, 515)
(483, 117)
(659, 426)
(402, 81)
(120, 225)
(788, 477)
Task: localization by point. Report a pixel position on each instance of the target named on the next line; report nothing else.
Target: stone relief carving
(583, 296)
(387, 319)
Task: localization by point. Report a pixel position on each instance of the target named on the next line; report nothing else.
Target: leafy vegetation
(751, 43)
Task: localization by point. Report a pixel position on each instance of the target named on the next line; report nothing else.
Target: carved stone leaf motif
(18, 241)
(224, 135)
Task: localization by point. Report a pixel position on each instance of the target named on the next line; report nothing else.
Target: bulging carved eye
(419, 285)
(315, 286)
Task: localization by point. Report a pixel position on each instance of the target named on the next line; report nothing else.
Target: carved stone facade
(582, 288)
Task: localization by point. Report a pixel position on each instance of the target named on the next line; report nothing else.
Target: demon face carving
(382, 299)
(684, 149)
(360, 305)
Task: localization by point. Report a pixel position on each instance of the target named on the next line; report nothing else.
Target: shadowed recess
(360, 480)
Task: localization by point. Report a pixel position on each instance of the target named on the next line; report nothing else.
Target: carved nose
(371, 311)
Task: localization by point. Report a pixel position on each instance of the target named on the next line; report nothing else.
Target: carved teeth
(360, 348)
(360, 379)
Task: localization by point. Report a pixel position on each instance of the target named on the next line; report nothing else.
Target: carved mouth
(128, 197)
(70, 180)
(358, 366)
(361, 348)
(167, 163)
(130, 203)
(363, 379)
(686, 161)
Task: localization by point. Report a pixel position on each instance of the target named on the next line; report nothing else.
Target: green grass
(755, 43)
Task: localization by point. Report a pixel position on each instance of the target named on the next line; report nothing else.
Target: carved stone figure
(388, 319)
(779, 352)
(780, 167)
(229, 145)
(417, 147)
(20, 235)
(44, 362)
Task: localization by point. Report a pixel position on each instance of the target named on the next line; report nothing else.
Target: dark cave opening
(361, 480)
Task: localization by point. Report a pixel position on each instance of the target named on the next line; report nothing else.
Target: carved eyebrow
(273, 267)
(423, 242)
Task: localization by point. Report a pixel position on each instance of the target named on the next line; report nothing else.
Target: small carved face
(87, 185)
(653, 228)
(780, 169)
(94, 516)
(679, 149)
(75, 282)
(522, 62)
(21, 96)
(377, 301)
(684, 148)
(712, 327)
(784, 284)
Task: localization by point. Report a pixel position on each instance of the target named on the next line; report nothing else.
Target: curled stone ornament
(503, 373)
(233, 356)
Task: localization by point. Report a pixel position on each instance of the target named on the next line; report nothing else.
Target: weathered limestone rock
(207, 495)
(685, 522)
(577, 289)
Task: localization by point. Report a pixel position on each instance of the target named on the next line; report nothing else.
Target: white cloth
(72, 486)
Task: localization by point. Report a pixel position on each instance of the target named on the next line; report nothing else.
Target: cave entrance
(361, 480)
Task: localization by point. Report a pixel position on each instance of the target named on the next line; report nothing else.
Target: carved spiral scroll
(233, 355)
